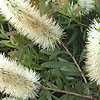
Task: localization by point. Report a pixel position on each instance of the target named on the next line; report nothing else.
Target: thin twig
(79, 23)
(75, 63)
(66, 92)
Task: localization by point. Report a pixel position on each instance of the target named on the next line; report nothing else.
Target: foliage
(56, 67)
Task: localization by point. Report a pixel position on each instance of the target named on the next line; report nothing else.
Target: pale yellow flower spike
(30, 23)
(16, 80)
(93, 52)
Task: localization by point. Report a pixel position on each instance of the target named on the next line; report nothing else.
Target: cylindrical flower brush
(28, 21)
(87, 5)
(16, 80)
(93, 52)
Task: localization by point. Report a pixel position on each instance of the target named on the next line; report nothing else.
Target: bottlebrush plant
(58, 42)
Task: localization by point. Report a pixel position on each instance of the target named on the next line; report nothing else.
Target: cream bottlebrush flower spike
(29, 22)
(93, 52)
(16, 80)
(88, 5)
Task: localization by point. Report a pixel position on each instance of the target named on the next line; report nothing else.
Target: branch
(79, 22)
(82, 74)
(66, 92)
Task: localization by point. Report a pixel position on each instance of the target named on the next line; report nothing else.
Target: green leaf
(79, 87)
(74, 47)
(83, 54)
(2, 29)
(3, 36)
(55, 98)
(67, 67)
(11, 40)
(71, 26)
(46, 51)
(8, 44)
(44, 97)
(59, 3)
(20, 39)
(69, 97)
(49, 84)
(12, 52)
(59, 82)
(29, 57)
(15, 53)
(73, 37)
(49, 96)
(56, 52)
(62, 60)
(59, 9)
